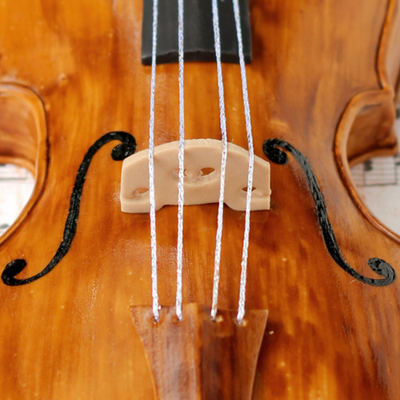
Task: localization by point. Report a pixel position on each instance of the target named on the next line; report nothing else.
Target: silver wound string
(222, 118)
(181, 165)
(154, 290)
(243, 275)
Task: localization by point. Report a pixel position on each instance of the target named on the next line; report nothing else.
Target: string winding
(222, 118)
(153, 235)
(243, 275)
(181, 158)
(217, 256)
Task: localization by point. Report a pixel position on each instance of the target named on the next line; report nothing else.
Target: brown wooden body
(324, 74)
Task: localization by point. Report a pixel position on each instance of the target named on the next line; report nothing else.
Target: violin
(322, 301)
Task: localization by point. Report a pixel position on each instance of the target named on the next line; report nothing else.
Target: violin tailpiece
(202, 359)
(202, 177)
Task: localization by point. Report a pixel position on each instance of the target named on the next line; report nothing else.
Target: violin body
(323, 78)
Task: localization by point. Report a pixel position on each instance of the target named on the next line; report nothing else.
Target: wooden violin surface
(323, 79)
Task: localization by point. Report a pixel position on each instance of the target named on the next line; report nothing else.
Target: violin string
(181, 155)
(243, 274)
(151, 168)
(217, 256)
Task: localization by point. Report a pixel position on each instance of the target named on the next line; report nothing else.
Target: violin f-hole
(381, 267)
(119, 153)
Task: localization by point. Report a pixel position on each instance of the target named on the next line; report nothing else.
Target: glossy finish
(316, 66)
(206, 359)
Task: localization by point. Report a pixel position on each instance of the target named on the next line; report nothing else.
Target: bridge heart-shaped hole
(245, 189)
(191, 174)
(207, 171)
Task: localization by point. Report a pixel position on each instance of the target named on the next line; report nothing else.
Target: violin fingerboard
(198, 31)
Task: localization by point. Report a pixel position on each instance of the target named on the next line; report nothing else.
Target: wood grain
(70, 335)
(206, 359)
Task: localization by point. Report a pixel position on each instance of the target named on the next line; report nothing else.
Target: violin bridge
(200, 358)
(202, 177)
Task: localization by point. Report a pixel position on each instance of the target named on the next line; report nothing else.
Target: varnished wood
(371, 133)
(206, 359)
(316, 67)
(23, 139)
